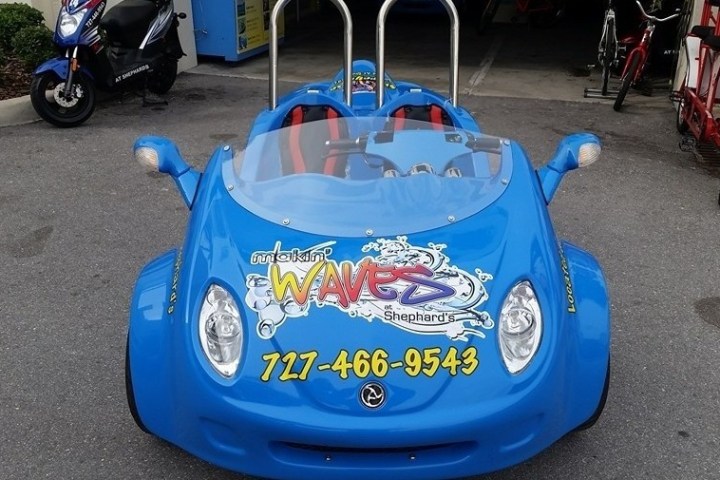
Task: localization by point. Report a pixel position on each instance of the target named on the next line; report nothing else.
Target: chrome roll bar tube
(454, 50)
(347, 54)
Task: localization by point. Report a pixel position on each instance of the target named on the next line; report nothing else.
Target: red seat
(431, 114)
(304, 150)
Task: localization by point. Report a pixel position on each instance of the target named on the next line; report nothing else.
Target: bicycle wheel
(680, 120)
(609, 53)
(627, 81)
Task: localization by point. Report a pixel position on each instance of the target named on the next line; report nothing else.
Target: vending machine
(233, 29)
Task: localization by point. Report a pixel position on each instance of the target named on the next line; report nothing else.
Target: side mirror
(162, 155)
(575, 151)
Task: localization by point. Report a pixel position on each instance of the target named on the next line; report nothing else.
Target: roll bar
(454, 49)
(347, 58)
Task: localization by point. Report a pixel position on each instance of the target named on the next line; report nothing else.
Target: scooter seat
(128, 22)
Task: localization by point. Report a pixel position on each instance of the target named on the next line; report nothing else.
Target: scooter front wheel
(47, 93)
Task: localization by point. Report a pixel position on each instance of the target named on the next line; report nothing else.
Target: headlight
(221, 334)
(588, 154)
(520, 327)
(148, 157)
(69, 23)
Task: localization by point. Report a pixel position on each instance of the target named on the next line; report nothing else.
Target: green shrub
(33, 45)
(13, 18)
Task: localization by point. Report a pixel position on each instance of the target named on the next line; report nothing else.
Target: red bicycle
(637, 59)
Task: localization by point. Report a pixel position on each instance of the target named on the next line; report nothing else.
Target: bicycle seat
(712, 41)
(707, 35)
(702, 31)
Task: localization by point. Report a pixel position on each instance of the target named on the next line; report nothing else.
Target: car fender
(59, 65)
(588, 310)
(153, 303)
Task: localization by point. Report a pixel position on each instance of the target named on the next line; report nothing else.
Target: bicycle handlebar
(654, 19)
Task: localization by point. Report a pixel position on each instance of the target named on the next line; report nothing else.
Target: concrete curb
(17, 111)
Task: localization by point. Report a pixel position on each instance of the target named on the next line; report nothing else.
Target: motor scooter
(135, 44)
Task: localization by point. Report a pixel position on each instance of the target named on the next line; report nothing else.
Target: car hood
(323, 316)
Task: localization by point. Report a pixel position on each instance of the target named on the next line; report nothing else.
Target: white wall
(50, 9)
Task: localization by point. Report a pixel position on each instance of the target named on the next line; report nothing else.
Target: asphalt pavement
(79, 218)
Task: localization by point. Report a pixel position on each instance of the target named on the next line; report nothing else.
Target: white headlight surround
(69, 23)
(520, 327)
(220, 330)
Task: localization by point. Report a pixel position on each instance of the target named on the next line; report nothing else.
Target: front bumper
(413, 446)
(297, 440)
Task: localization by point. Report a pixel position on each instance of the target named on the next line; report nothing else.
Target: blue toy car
(368, 289)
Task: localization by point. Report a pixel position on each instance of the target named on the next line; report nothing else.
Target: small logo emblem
(372, 395)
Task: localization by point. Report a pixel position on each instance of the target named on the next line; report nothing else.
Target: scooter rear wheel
(163, 77)
(47, 97)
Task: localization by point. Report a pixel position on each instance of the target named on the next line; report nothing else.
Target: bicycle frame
(637, 60)
(603, 55)
(643, 49)
(609, 15)
(708, 17)
(698, 93)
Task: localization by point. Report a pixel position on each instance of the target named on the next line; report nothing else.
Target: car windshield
(357, 177)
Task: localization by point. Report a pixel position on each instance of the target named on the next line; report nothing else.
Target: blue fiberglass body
(344, 284)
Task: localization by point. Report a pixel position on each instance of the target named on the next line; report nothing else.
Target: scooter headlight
(520, 327)
(69, 23)
(220, 329)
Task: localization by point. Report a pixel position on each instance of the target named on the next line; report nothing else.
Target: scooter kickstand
(151, 103)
